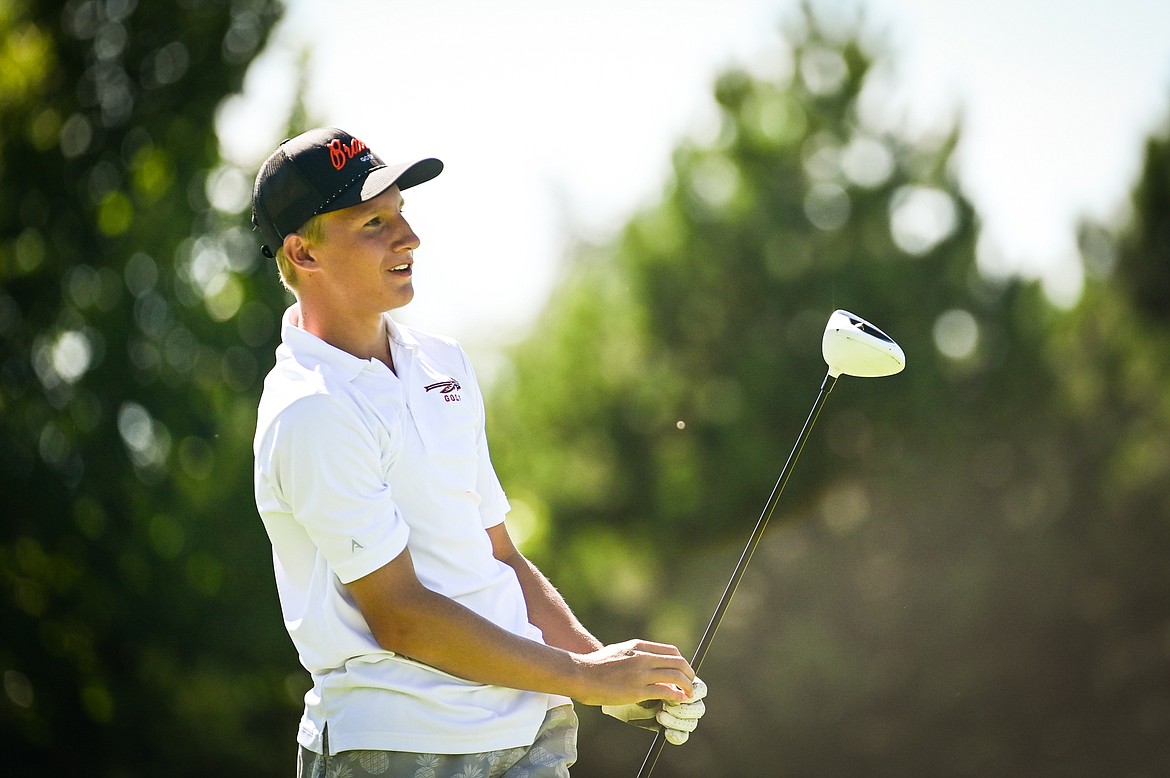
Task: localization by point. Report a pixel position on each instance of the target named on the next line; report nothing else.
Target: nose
(404, 238)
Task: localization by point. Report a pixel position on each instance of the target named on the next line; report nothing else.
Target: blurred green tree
(141, 631)
(1142, 255)
(671, 368)
(972, 578)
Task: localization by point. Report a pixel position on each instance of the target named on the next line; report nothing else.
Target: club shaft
(745, 558)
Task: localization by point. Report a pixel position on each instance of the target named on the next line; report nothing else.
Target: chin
(402, 299)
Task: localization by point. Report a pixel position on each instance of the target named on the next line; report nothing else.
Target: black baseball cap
(319, 171)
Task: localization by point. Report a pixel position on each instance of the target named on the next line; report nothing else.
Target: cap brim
(405, 175)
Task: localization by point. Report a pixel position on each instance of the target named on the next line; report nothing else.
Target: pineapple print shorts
(549, 756)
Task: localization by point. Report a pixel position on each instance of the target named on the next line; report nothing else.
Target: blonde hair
(312, 231)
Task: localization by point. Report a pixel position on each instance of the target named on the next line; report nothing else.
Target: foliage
(141, 631)
(709, 309)
(966, 576)
(1143, 256)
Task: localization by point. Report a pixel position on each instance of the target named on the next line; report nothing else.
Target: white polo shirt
(353, 464)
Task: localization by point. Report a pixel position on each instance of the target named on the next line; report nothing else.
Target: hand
(633, 671)
(677, 719)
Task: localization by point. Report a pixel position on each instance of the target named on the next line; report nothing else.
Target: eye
(374, 222)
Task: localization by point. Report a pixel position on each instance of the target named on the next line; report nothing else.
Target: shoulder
(439, 350)
(301, 400)
(429, 341)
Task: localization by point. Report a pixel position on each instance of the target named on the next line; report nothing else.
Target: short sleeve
(327, 465)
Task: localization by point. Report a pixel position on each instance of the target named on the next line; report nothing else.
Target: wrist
(577, 677)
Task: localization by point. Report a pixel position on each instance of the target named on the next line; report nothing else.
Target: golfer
(435, 648)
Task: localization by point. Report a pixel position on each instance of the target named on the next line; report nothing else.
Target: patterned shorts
(549, 756)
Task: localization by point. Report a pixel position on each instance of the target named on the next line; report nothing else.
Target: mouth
(402, 269)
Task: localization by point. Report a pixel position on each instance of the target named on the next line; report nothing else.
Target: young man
(433, 644)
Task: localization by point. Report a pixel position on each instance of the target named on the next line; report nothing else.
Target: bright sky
(557, 119)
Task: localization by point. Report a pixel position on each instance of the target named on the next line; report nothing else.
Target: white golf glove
(677, 719)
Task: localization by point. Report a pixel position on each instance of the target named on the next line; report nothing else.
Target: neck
(363, 337)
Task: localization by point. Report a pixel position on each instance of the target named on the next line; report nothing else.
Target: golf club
(850, 346)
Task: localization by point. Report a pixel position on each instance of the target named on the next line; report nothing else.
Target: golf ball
(682, 425)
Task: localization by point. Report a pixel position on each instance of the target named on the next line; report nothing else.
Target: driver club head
(853, 346)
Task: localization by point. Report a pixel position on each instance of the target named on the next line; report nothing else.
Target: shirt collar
(313, 353)
(399, 335)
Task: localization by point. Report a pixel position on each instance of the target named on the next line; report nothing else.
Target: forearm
(548, 610)
(442, 633)
(407, 618)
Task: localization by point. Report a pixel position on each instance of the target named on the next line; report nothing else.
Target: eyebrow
(370, 206)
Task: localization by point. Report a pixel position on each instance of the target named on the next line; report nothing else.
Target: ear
(298, 252)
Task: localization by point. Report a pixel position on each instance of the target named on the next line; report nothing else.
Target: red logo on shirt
(447, 388)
